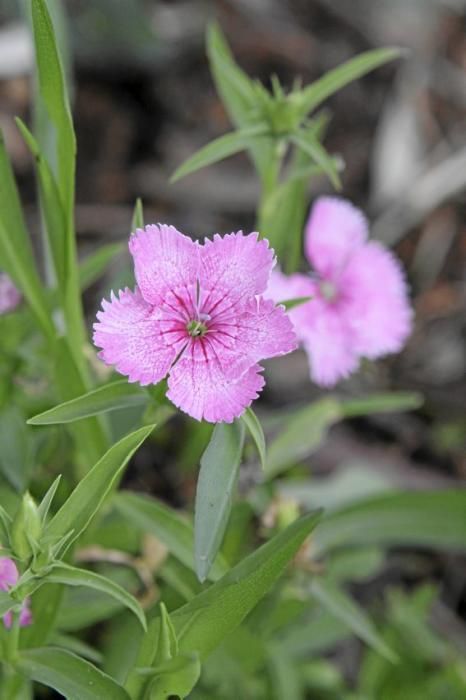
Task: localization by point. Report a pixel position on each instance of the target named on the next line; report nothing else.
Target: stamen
(196, 329)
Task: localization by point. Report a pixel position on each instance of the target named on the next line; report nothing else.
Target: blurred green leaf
(72, 576)
(320, 156)
(302, 433)
(16, 254)
(418, 519)
(342, 606)
(94, 265)
(313, 95)
(17, 449)
(220, 148)
(69, 675)
(110, 397)
(7, 603)
(254, 427)
(86, 499)
(214, 494)
(284, 675)
(382, 403)
(55, 221)
(167, 525)
(238, 94)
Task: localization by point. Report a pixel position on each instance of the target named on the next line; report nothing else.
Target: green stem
(12, 639)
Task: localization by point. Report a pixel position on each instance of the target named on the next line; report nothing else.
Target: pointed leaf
(220, 148)
(313, 95)
(138, 215)
(214, 495)
(293, 303)
(73, 576)
(252, 423)
(344, 608)
(16, 254)
(86, 499)
(318, 154)
(69, 675)
(110, 397)
(418, 518)
(44, 506)
(167, 525)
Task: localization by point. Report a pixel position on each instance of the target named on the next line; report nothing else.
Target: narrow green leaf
(303, 433)
(418, 519)
(167, 643)
(382, 403)
(344, 608)
(76, 646)
(94, 265)
(318, 154)
(17, 449)
(15, 246)
(238, 94)
(252, 423)
(293, 303)
(206, 620)
(171, 529)
(72, 576)
(44, 506)
(54, 215)
(138, 216)
(214, 495)
(89, 494)
(109, 397)
(7, 603)
(220, 148)
(313, 95)
(69, 675)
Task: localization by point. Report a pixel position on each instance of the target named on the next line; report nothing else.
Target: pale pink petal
(233, 267)
(261, 330)
(25, 616)
(129, 331)
(201, 389)
(286, 287)
(8, 573)
(335, 229)
(328, 343)
(164, 260)
(375, 301)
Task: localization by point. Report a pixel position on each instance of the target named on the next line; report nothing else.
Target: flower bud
(26, 528)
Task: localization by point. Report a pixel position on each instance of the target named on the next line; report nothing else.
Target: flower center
(328, 290)
(196, 329)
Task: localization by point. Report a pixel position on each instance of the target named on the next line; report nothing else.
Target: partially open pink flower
(196, 314)
(9, 294)
(8, 577)
(360, 306)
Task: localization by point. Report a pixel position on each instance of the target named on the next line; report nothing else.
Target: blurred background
(144, 101)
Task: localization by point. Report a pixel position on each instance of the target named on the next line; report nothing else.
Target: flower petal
(233, 267)
(8, 573)
(285, 287)
(328, 343)
(130, 335)
(335, 229)
(164, 260)
(202, 390)
(375, 301)
(263, 330)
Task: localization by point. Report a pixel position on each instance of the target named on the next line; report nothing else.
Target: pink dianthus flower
(8, 578)
(9, 294)
(359, 307)
(196, 314)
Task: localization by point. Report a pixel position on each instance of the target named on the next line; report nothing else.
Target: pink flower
(360, 305)
(9, 295)
(196, 314)
(8, 577)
